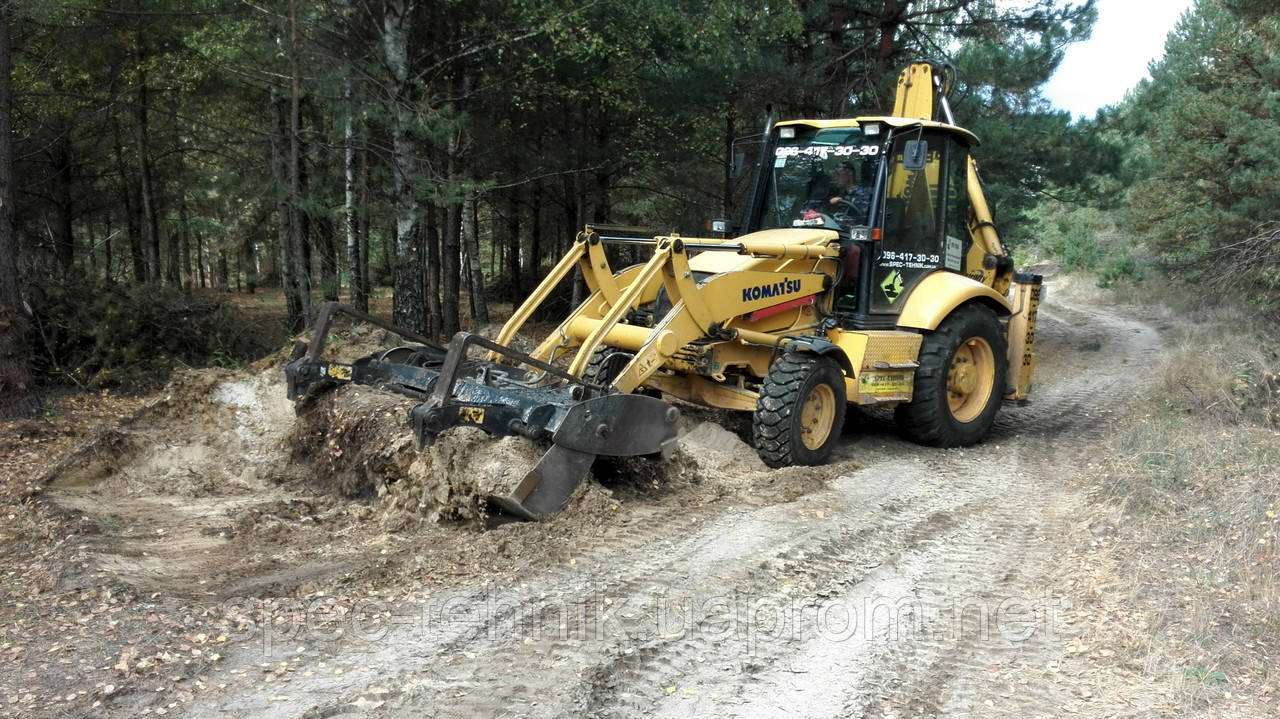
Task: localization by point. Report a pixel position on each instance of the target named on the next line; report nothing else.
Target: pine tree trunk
(107, 258)
(355, 264)
(172, 275)
(173, 271)
(533, 266)
(15, 354)
(200, 259)
(297, 227)
(514, 280)
(137, 244)
(890, 21)
(475, 269)
(64, 245)
(284, 219)
(324, 233)
(434, 316)
(142, 139)
(249, 263)
(407, 301)
(184, 231)
(726, 202)
(224, 271)
(133, 222)
(320, 225)
(450, 272)
(362, 232)
(575, 217)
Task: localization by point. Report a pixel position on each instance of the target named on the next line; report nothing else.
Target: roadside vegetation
(1178, 573)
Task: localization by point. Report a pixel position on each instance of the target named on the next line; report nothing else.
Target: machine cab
(892, 188)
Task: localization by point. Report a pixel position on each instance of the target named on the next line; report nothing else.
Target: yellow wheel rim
(817, 415)
(971, 379)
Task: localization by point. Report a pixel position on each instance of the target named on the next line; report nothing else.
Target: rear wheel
(800, 411)
(960, 381)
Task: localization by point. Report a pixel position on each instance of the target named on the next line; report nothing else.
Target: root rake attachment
(507, 393)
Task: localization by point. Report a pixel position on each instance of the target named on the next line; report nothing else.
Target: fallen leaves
(126, 656)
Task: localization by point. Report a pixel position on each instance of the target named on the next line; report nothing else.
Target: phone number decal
(913, 257)
(825, 151)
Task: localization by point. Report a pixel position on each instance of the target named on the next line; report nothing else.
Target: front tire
(800, 411)
(960, 382)
(605, 365)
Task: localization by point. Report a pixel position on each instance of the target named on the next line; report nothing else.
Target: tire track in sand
(736, 611)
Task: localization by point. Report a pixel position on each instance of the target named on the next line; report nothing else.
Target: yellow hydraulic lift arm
(587, 253)
(702, 310)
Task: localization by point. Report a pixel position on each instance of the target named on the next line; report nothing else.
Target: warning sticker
(954, 249)
(892, 286)
(339, 371)
(893, 383)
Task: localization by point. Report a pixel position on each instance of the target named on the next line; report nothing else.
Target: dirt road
(906, 582)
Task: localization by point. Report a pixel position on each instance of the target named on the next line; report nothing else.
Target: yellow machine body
(868, 272)
(734, 304)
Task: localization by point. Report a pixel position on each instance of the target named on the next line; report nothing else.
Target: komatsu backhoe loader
(894, 292)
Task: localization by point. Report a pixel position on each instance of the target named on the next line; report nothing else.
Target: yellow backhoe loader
(867, 271)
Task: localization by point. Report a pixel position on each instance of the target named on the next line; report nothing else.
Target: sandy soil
(339, 572)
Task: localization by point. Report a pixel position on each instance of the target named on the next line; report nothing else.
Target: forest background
(160, 161)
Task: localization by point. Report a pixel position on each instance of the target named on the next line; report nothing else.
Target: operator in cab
(852, 198)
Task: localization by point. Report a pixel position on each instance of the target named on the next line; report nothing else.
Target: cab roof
(967, 136)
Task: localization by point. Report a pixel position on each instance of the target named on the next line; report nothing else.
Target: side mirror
(735, 169)
(914, 153)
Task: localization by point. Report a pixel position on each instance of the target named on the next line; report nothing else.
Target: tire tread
(780, 393)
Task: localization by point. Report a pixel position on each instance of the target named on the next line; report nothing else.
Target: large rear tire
(960, 382)
(800, 411)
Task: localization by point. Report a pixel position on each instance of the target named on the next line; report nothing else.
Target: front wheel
(605, 365)
(800, 411)
(960, 381)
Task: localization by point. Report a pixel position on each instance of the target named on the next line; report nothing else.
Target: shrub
(94, 333)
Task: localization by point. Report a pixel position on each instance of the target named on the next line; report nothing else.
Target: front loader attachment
(507, 393)
(407, 369)
(548, 397)
(582, 420)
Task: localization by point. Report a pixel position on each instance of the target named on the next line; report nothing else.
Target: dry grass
(1188, 518)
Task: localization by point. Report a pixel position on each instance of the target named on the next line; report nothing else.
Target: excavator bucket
(513, 395)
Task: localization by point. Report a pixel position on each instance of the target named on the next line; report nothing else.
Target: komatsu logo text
(777, 289)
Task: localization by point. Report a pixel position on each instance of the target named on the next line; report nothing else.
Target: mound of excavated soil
(354, 440)
(210, 431)
(718, 450)
(220, 486)
(215, 432)
(357, 441)
(452, 477)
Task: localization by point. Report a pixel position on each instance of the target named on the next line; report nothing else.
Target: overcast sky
(1128, 35)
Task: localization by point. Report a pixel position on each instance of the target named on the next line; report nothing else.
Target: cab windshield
(822, 177)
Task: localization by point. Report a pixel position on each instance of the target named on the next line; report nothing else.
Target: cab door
(914, 218)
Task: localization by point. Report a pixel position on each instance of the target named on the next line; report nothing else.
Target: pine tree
(1205, 154)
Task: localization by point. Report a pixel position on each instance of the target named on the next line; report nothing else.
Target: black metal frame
(309, 369)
